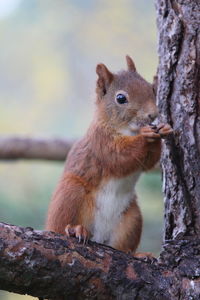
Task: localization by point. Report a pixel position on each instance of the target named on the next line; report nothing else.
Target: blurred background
(49, 51)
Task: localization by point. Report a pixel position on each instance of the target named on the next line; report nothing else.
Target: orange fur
(128, 232)
(105, 153)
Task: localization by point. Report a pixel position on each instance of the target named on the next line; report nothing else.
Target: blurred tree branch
(34, 148)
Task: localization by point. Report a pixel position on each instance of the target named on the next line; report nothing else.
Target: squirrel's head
(125, 100)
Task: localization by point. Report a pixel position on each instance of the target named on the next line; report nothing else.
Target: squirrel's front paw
(164, 130)
(153, 132)
(150, 133)
(78, 231)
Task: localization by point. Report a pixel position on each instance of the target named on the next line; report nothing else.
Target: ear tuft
(103, 73)
(105, 77)
(130, 63)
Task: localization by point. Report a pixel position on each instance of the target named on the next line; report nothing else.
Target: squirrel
(95, 197)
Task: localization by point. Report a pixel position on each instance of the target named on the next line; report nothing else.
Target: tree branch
(14, 147)
(44, 264)
(34, 148)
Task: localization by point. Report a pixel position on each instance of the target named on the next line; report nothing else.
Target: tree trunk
(179, 99)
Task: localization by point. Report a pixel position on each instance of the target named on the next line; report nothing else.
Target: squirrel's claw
(78, 231)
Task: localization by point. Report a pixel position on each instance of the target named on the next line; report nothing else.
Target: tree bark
(44, 264)
(34, 148)
(179, 99)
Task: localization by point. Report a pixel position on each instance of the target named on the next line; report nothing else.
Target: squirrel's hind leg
(127, 234)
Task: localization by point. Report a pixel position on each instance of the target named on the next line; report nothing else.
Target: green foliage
(150, 200)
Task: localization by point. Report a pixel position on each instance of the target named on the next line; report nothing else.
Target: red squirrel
(95, 197)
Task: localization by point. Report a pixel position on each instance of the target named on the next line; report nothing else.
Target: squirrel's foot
(78, 231)
(145, 255)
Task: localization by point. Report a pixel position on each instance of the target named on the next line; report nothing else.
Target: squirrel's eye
(121, 99)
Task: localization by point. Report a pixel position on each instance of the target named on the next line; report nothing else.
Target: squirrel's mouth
(134, 127)
(137, 124)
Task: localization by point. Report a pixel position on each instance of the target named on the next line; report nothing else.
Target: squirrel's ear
(130, 63)
(105, 77)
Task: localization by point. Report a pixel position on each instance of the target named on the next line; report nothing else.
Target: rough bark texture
(179, 99)
(34, 148)
(49, 265)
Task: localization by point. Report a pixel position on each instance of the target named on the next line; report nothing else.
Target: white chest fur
(112, 199)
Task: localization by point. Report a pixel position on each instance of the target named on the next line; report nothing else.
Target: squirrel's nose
(153, 116)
